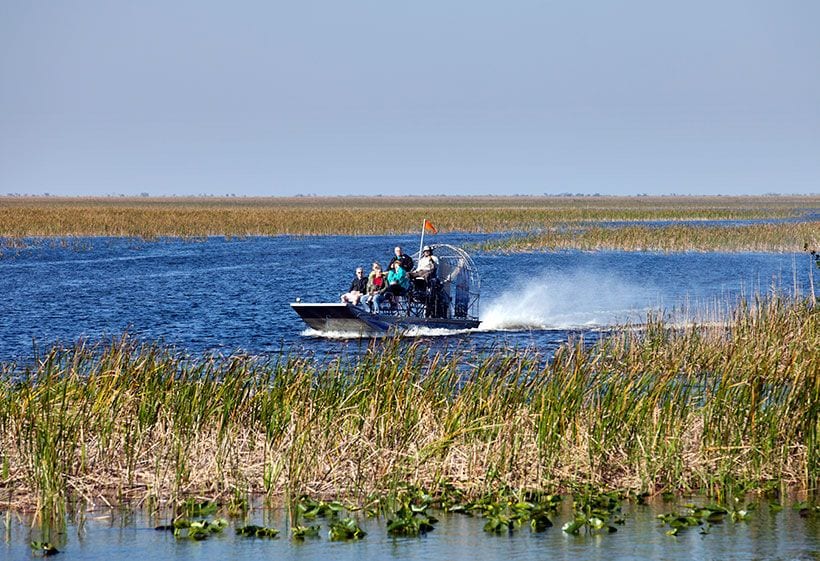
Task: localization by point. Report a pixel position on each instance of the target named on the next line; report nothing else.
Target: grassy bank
(756, 237)
(154, 217)
(650, 409)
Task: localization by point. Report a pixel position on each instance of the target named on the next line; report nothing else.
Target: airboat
(449, 300)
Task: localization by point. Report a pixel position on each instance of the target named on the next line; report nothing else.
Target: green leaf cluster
(345, 529)
(252, 530)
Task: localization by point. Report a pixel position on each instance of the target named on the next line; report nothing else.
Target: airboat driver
(404, 260)
(427, 265)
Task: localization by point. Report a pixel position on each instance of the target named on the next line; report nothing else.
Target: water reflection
(114, 534)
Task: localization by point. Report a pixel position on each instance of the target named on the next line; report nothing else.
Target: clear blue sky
(441, 97)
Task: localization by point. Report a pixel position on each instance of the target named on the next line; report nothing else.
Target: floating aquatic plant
(508, 511)
(252, 530)
(43, 549)
(705, 516)
(300, 533)
(595, 512)
(807, 509)
(740, 512)
(410, 520)
(345, 529)
(198, 529)
(310, 508)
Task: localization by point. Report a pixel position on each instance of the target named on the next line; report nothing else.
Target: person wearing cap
(404, 260)
(427, 265)
(357, 288)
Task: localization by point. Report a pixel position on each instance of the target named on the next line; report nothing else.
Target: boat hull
(346, 318)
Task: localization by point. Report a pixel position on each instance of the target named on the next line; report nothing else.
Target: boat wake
(411, 332)
(337, 335)
(435, 332)
(578, 301)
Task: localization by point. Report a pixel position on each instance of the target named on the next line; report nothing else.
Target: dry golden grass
(702, 407)
(197, 217)
(780, 237)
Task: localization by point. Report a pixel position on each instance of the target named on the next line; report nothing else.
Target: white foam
(339, 335)
(416, 331)
(420, 331)
(581, 299)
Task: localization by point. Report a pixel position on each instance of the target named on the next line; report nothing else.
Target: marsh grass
(193, 218)
(781, 237)
(701, 407)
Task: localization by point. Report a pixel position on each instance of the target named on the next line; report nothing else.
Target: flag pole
(421, 243)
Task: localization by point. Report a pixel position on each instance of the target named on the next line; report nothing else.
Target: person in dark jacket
(358, 288)
(404, 260)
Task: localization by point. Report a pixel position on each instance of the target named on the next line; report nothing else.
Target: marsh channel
(222, 296)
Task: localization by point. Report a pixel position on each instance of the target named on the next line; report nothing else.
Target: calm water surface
(105, 536)
(223, 295)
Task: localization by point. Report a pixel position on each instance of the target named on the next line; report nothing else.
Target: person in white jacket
(427, 265)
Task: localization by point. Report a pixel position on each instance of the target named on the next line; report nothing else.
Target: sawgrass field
(539, 222)
(709, 408)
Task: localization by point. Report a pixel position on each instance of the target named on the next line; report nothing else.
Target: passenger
(427, 265)
(358, 288)
(398, 283)
(375, 285)
(405, 260)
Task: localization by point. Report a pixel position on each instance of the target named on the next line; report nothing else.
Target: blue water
(104, 535)
(225, 295)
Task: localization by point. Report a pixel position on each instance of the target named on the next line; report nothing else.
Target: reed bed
(159, 217)
(650, 409)
(781, 237)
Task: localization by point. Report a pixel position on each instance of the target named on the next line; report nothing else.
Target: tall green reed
(649, 408)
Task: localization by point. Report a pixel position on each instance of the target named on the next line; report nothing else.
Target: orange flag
(428, 226)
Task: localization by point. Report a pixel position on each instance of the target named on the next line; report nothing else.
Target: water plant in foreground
(508, 511)
(411, 520)
(252, 530)
(705, 516)
(43, 549)
(345, 529)
(309, 508)
(807, 509)
(300, 533)
(198, 529)
(595, 512)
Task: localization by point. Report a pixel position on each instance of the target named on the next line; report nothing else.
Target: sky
(453, 97)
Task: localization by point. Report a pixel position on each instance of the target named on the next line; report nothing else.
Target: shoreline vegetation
(537, 222)
(711, 408)
(778, 238)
